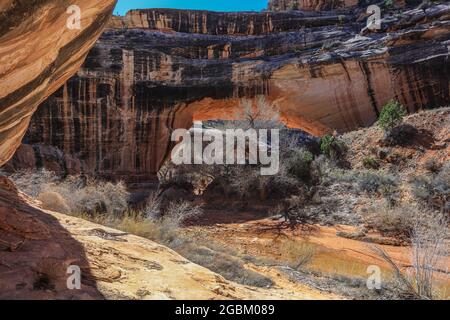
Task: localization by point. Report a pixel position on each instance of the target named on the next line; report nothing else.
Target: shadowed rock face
(318, 5)
(310, 5)
(157, 70)
(38, 53)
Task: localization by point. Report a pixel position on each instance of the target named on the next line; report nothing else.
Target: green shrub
(299, 164)
(333, 148)
(370, 163)
(391, 116)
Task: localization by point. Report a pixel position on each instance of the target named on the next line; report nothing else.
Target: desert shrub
(32, 183)
(180, 211)
(231, 268)
(295, 212)
(334, 148)
(301, 254)
(96, 197)
(370, 163)
(323, 171)
(53, 201)
(391, 116)
(401, 135)
(428, 239)
(435, 189)
(152, 208)
(377, 182)
(80, 194)
(138, 224)
(389, 219)
(432, 165)
(299, 164)
(244, 180)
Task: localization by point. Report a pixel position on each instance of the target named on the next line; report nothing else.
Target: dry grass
(54, 202)
(390, 220)
(429, 247)
(73, 194)
(299, 254)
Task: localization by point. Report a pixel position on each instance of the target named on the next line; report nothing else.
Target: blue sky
(216, 5)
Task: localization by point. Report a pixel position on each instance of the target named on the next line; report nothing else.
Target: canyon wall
(310, 5)
(38, 54)
(319, 5)
(157, 70)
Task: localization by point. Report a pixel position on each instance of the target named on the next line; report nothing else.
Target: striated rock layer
(156, 70)
(310, 5)
(38, 248)
(38, 53)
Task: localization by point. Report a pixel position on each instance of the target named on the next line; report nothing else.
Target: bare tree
(261, 114)
(429, 246)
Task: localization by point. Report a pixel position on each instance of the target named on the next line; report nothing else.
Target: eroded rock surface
(37, 247)
(156, 70)
(38, 53)
(310, 5)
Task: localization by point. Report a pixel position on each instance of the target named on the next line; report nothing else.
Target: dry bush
(152, 210)
(301, 253)
(429, 240)
(390, 220)
(435, 189)
(299, 164)
(92, 196)
(53, 201)
(295, 212)
(230, 267)
(370, 163)
(33, 182)
(433, 165)
(259, 115)
(80, 194)
(136, 223)
(378, 182)
(180, 211)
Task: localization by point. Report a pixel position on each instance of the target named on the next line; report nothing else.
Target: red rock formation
(37, 55)
(138, 84)
(36, 246)
(319, 5)
(310, 5)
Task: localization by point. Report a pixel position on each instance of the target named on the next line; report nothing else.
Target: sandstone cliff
(157, 70)
(38, 53)
(318, 5)
(310, 5)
